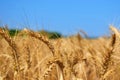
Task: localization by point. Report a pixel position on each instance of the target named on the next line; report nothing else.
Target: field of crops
(32, 56)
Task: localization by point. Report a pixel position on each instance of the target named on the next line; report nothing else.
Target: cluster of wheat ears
(32, 56)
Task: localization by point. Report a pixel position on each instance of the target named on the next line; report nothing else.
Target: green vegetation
(50, 35)
(13, 32)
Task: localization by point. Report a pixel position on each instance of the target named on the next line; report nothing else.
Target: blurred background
(64, 16)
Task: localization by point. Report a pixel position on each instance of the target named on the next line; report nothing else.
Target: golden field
(32, 56)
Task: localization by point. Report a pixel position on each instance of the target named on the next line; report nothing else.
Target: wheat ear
(110, 53)
(4, 33)
(42, 38)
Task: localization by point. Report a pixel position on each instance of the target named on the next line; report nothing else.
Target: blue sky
(65, 16)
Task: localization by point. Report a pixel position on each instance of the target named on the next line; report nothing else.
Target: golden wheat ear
(4, 33)
(115, 56)
(41, 38)
(116, 31)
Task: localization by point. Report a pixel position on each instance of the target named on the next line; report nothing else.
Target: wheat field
(32, 56)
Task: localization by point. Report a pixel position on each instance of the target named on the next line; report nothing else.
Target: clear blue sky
(64, 16)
